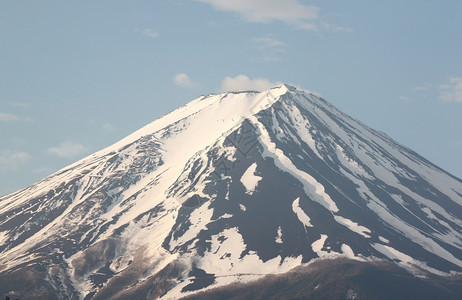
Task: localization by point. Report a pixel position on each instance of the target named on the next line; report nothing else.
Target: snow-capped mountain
(228, 188)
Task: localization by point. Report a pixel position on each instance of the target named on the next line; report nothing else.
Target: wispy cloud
(149, 32)
(244, 83)
(421, 88)
(183, 80)
(452, 90)
(9, 117)
(13, 160)
(291, 12)
(336, 28)
(20, 104)
(269, 48)
(404, 98)
(67, 150)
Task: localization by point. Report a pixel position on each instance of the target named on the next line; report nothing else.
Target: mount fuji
(231, 193)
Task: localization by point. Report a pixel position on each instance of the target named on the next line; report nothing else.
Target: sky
(77, 76)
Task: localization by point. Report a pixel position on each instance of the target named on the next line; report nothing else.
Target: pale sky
(77, 76)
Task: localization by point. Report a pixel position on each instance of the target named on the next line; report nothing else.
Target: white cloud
(270, 48)
(10, 160)
(404, 98)
(420, 88)
(20, 104)
(336, 28)
(149, 32)
(268, 42)
(8, 117)
(183, 80)
(67, 150)
(452, 91)
(244, 83)
(291, 12)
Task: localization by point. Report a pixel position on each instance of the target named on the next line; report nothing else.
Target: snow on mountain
(250, 180)
(229, 187)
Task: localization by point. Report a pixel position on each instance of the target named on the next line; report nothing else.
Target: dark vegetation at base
(342, 279)
(31, 284)
(26, 284)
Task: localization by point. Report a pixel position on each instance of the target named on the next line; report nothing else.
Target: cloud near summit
(183, 80)
(244, 83)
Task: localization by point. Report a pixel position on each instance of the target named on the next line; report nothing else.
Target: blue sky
(77, 76)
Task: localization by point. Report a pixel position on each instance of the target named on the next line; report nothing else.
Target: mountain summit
(227, 189)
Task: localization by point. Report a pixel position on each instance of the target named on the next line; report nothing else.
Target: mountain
(230, 189)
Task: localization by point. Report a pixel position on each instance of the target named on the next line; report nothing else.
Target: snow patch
(279, 237)
(3, 236)
(383, 240)
(250, 180)
(301, 215)
(353, 226)
(392, 253)
(226, 216)
(348, 252)
(319, 244)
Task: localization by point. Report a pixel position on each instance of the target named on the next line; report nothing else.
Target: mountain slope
(229, 187)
